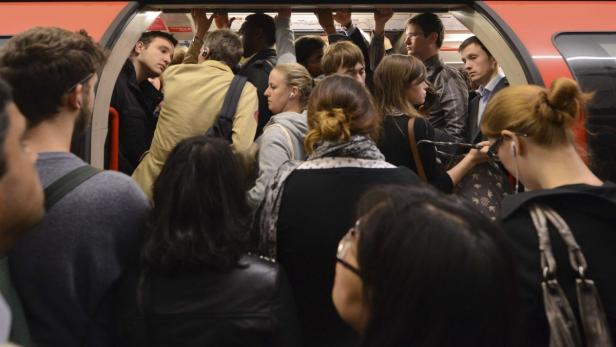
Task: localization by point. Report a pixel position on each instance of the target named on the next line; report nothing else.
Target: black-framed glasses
(344, 245)
(493, 149)
(81, 81)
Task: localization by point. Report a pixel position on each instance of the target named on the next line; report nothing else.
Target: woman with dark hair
(196, 285)
(308, 206)
(419, 268)
(531, 132)
(399, 90)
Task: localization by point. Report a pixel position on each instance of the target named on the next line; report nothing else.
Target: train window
(4, 39)
(592, 60)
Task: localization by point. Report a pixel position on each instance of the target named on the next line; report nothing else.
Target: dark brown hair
(392, 78)
(429, 23)
(339, 107)
(473, 40)
(43, 64)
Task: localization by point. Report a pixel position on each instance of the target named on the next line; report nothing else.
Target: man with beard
(65, 267)
(21, 207)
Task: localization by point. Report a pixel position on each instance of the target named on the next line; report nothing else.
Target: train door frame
(478, 18)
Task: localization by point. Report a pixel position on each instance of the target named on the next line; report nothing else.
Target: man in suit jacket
(483, 71)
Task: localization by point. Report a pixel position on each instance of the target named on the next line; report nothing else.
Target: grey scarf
(358, 147)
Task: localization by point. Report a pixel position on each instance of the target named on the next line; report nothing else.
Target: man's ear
(139, 47)
(75, 98)
(432, 37)
(493, 62)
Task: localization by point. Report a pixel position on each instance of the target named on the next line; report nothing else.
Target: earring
(290, 95)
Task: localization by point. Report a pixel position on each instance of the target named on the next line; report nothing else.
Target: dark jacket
(448, 102)
(590, 212)
(318, 206)
(136, 104)
(257, 70)
(473, 133)
(248, 306)
(395, 146)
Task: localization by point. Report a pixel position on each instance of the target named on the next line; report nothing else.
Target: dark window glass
(592, 60)
(3, 40)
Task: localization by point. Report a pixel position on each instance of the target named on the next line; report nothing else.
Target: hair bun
(333, 125)
(561, 103)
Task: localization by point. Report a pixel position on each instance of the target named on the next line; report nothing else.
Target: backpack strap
(65, 184)
(223, 127)
(418, 163)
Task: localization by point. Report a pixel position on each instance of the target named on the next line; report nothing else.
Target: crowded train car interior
(532, 52)
(275, 173)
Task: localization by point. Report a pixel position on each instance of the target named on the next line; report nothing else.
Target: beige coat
(194, 94)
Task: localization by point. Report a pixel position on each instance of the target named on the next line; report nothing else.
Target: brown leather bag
(418, 163)
(564, 329)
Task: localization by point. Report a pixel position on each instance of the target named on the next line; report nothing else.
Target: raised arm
(377, 44)
(285, 39)
(203, 23)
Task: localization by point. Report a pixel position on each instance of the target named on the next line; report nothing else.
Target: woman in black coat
(308, 206)
(196, 285)
(530, 130)
(399, 87)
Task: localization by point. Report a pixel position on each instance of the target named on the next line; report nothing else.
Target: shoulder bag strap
(65, 184)
(288, 136)
(223, 126)
(418, 163)
(563, 325)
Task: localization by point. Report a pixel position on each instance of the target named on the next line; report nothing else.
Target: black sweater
(318, 207)
(590, 212)
(394, 144)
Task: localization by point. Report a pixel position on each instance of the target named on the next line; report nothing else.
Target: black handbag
(564, 328)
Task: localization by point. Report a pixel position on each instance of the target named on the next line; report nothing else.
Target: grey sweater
(65, 267)
(276, 146)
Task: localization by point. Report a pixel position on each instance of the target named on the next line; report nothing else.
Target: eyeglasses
(493, 149)
(82, 81)
(344, 245)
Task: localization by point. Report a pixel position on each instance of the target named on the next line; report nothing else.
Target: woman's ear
(513, 140)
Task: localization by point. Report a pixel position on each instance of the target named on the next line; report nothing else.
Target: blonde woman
(287, 94)
(530, 131)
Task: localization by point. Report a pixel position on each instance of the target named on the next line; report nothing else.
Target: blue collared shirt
(486, 94)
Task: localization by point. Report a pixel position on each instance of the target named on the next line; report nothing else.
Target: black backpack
(223, 127)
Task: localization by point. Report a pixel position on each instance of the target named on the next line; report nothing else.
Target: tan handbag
(413, 143)
(564, 329)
